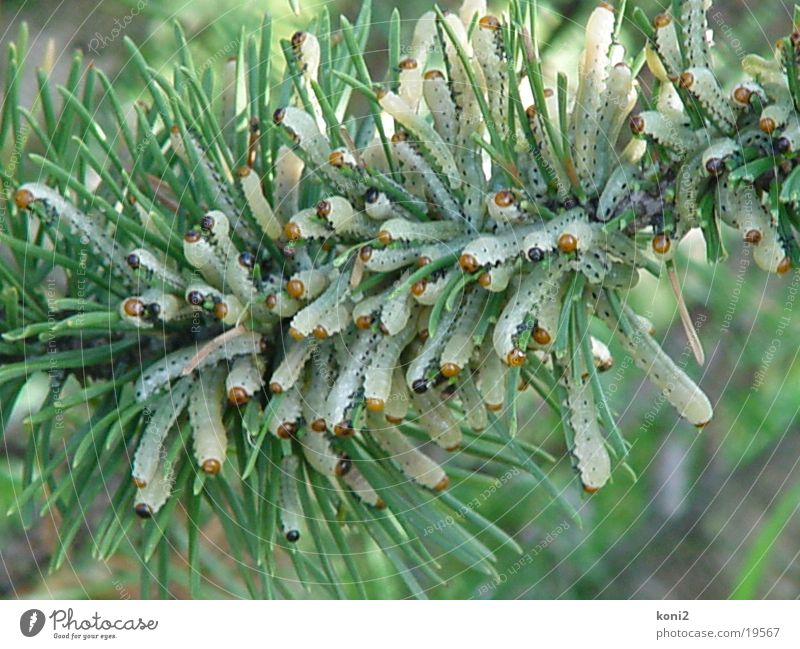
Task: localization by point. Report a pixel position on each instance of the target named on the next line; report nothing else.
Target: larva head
(143, 510)
(375, 405)
(343, 466)
(279, 115)
(192, 236)
(753, 236)
(468, 263)
(784, 266)
(418, 288)
(319, 426)
(431, 75)
(195, 297)
(133, 307)
(295, 334)
(364, 322)
(516, 358)
(286, 429)
(489, 23)
(293, 536)
(637, 124)
(211, 467)
(384, 237)
(567, 242)
(295, 288)
(449, 370)
(275, 388)
(541, 336)
(661, 21)
(237, 396)
(292, 231)
(365, 253)
(590, 490)
(420, 386)
(782, 144)
(324, 209)
(686, 80)
(23, 198)
(320, 333)
(442, 484)
(133, 260)
(767, 124)
(408, 64)
(661, 244)
(741, 95)
(298, 38)
(247, 260)
(343, 429)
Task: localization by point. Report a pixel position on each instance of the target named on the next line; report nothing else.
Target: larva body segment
(287, 413)
(304, 131)
(420, 179)
(257, 203)
(593, 462)
(344, 219)
(395, 314)
(307, 284)
(382, 366)
(496, 280)
(288, 171)
(205, 416)
(305, 225)
(683, 393)
(322, 457)
(150, 448)
(151, 498)
(152, 269)
(438, 421)
(393, 258)
(55, 207)
(593, 73)
(396, 407)
(616, 193)
(426, 361)
(695, 29)
(436, 91)
(297, 353)
(472, 402)
(670, 133)
(458, 349)
(363, 489)
(201, 255)
(619, 99)
(399, 229)
(412, 462)
(245, 378)
(667, 48)
(490, 53)
(321, 375)
(347, 390)
(703, 86)
(489, 250)
(328, 308)
(291, 510)
(427, 136)
(491, 377)
(601, 355)
(429, 290)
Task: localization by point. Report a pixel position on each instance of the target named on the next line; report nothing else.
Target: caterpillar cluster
(447, 255)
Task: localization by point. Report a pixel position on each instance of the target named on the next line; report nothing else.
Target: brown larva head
(237, 396)
(295, 288)
(504, 198)
(133, 307)
(590, 490)
(442, 484)
(298, 38)
(468, 263)
(380, 503)
(450, 370)
(742, 95)
(385, 237)
(278, 115)
(453, 448)
(399, 136)
(275, 388)
(243, 172)
(271, 301)
(661, 21)
(295, 334)
(375, 405)
(364, 322)
(567, 243)
(365, 254)
(434, 74)
(418, 288)
(140, 484)
(408, 64)
(423, 334)
(343, 429)
(637, 124)
(541, 336)
(686, 80)
(336, 159)
(220, 310)
(287, 429)
(211, 467)
(767, 124)
(516, 357)
(485, 280)
(784, 266)
(292, 231)
(530, 112)
(320, 333)
(489, 22)
(319, 426)
(661, 244)
(753, 236)
(192, 236)
(323, 209)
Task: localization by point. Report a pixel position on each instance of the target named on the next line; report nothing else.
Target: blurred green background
(712, 513)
